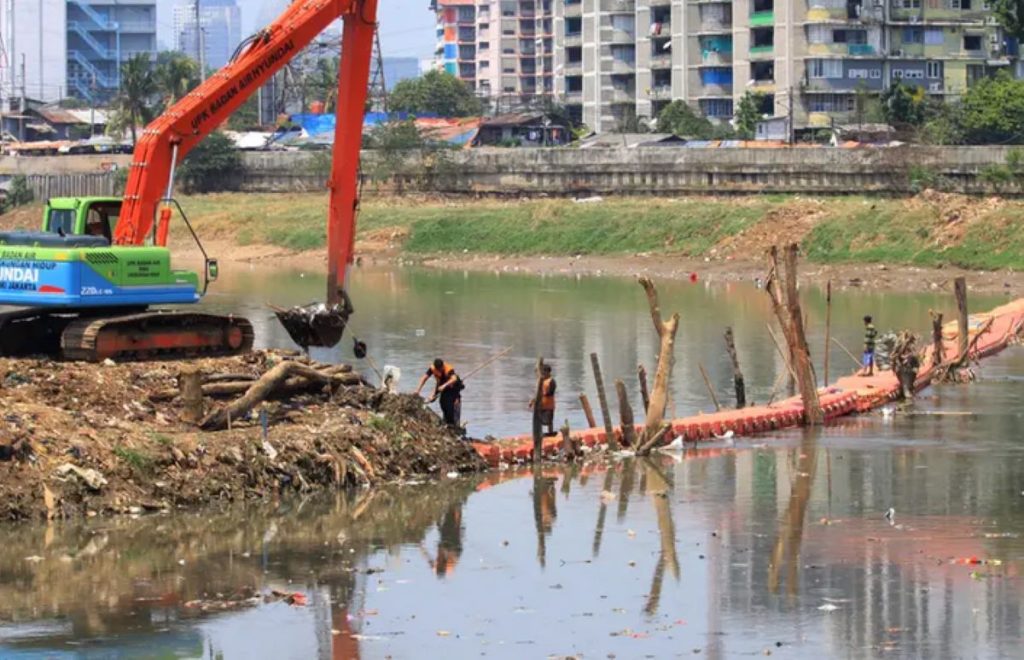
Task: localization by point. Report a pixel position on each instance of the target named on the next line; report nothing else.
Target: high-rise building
(501, 48)
(33, 59)
(619, 60)
(397, 69)
(221, 25)
(102, 35)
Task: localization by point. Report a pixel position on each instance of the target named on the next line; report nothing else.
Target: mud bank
(82, 439)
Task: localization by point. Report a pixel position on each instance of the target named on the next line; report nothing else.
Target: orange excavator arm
(170, 137)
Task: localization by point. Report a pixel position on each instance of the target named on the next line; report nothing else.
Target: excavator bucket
(316, 324)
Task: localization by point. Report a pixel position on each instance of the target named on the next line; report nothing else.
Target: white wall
(35, 29)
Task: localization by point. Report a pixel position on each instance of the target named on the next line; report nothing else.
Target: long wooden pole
(487, 362)
(960, 291)
(602, 398)
(828, 326)
(707, 383)
(847, 351)
(737, 375)
(538, 423)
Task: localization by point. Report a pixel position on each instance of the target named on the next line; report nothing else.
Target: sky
(406, 26)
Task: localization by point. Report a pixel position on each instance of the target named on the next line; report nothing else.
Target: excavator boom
(169, 138)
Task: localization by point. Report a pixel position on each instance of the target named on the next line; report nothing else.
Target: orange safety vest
(547, 401)
(444, 374)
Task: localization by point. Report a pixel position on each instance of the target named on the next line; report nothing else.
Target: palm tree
(133, 102)
(175, 76)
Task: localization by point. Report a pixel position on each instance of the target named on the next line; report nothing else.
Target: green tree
(435, 92)
(134, 101)
(904, 105)
(18, 194)
(321, 83)
(993, 111)
(213, 165)
(247, 117)
(748, 113)
(679, 118)
(175, 75)
(1010, 13)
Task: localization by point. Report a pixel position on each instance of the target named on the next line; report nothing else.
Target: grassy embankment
(929, 230)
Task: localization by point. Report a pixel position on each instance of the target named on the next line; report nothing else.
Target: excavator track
(156, 335)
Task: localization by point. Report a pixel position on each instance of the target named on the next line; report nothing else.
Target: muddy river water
(775, 545)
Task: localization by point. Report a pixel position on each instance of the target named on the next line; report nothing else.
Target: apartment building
(501, 48)
(102, 35)
(221, 24)
(616, 60)
(32, 52)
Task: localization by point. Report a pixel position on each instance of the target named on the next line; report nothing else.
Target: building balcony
(621, 66)
(762, 18)
(618, 95)
(661, 61)
(715, 89)
(574, 10)
(137, 26)
(854, 50)
(573, 69)
(574, 39)
(715, 58)
(573, 98)
(762, 86)
(618, 6)
(762, 52)
(622, 37)
(715, 25)
(661, 93)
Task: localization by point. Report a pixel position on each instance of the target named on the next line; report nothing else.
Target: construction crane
(84, 287)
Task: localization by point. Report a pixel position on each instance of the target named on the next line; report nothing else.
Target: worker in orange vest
(547, 400)
(448, 386)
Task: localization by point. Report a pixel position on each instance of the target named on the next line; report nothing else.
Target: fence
(45, 186)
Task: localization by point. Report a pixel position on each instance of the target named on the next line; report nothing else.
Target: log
(938, 346)
(781, 286)
(655, 440)
(259, 392)
(641, 374)
(293, 385)
(225, 378)
(666, 360)
(707, 384)
(602, 398)
(190, 384)
(625, 415)
(960, 291)
(538, 424)
(737, 375)
(588, 411)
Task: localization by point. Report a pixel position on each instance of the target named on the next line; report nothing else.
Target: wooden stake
(602, 399)
(737, 375)
(828, 325)
(588, 411)
(960, 291)
(568, 449)
(190, 384)
(538, 424)
(707, 383)
(938, 346)
(625, 415)
(641, 374)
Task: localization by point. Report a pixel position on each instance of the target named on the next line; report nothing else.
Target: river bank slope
(872, 241)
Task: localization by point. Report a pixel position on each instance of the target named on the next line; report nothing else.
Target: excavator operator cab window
(61, 221)
(98, 220)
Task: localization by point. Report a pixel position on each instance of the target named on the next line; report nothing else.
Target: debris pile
(85, 439)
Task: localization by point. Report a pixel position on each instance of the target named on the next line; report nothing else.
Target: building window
(876, 74)
(832, 103)
(972, 42)
(818, 34)
(906, 4)
(913, 35)
(857, 74)
(960, 4)
(818, 69)
(485, 45)
(934, 69)
(933, 36)
(716, 107)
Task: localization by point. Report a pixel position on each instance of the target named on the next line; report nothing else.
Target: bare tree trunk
(653, 430)
(737, 375)
(625, 415)
(786, 305)
(602, 398)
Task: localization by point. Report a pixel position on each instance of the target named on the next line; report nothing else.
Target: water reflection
(724, 549)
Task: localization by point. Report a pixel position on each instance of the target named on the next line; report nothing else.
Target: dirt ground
(85, 439)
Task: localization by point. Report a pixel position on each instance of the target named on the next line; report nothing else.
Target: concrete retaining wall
(643, 171)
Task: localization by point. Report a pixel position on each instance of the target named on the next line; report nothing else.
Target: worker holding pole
(448, 386)
(547, 400)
